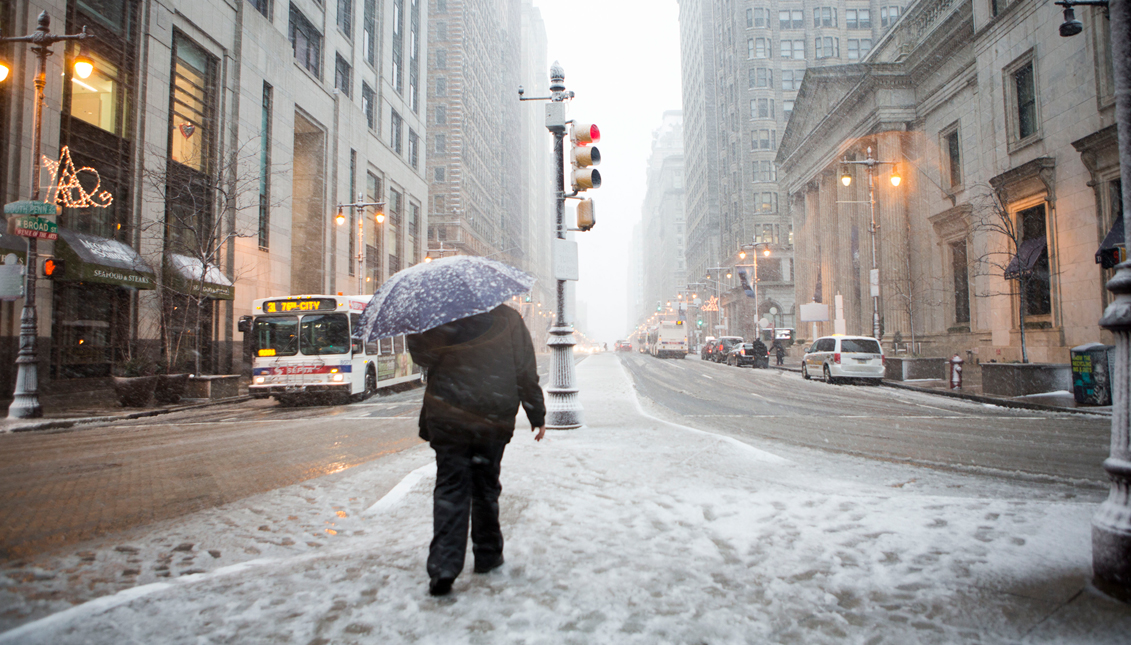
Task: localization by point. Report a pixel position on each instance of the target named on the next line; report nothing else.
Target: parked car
(745, 354)
(841, 358)
(623, 346)
(722, 347)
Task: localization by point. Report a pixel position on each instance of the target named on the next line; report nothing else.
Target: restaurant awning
(12, 244)
(90, 258)
(1111, 249)
(1027, 257)
(188, 276)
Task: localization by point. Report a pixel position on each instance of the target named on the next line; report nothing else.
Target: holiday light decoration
(712, 304)
(65, 189)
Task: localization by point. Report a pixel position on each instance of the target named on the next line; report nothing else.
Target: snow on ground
(636, 530)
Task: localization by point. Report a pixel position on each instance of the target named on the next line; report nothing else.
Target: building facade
(745, 61)
(1003, 136)
(224, 135)
(663, 224)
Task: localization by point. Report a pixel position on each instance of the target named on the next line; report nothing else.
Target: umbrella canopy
(433, 293)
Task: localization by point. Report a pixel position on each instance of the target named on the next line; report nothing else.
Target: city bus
(668, 339)
(302, 349)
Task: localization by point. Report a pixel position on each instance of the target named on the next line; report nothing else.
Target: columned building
(1003, 136)
(224, 135)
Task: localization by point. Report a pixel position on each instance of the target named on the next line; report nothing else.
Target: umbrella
(433, 293)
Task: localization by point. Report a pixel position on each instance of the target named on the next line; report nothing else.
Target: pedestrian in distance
(480, 369)
(761, 354)
(779, 351)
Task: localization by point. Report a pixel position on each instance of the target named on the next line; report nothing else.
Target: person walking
(761, 354)
(479, 370)
(779, 351)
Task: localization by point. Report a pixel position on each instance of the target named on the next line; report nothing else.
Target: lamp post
(379, 217)
(25, 398)
(754, 278)
(874, 277)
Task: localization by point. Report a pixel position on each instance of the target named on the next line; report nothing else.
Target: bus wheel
(370, 384)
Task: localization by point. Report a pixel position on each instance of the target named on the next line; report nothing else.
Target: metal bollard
(956, 372)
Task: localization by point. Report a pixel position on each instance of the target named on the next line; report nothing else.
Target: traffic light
(1109, 257)
(586, 214)
(584, 156)
(54, 267)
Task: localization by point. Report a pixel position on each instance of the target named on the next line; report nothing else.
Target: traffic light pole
(563, 409)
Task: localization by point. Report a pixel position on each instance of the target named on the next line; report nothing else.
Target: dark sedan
(744, 354)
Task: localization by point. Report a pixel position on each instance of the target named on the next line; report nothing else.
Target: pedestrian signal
(586, 214)
(53, 268)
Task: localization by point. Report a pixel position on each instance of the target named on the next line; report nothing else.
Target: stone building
(662, 219)
(743, 64)
(226, 132)
(1003, 135)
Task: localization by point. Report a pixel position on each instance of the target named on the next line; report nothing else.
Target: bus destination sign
(298, 305)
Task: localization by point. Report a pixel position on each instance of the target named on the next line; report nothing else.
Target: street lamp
(754, 279)
(874, 278)
(25, 398)
(340, 218)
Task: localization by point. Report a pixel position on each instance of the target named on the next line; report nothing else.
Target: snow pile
(635, 530)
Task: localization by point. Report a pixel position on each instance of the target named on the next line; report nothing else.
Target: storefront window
(191, 112)
(94, 99)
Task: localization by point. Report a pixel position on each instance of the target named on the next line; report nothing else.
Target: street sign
(33, 226)
(29, 207)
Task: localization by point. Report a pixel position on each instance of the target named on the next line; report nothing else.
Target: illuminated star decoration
(712, 304)
(68, 192)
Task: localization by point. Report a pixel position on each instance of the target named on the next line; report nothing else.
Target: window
(827, 47)
(395, 134)
(413, 148)
(367, 105)
(749, 18)
(369, 31)
(264, 168)
(787, 109)
(959, 269)
(192, 105)
(262, 6)
(763, 139)
(341, 75)
(345, 17)
(888, 16)
(794, 49)
(414, 56)
(764, 171)
(1036, 288)
(767, 202)
(997, 6)
(858, 18)
(440, 144)
(441, 30)
(353, 212)
(98, 99)
(413, 231)
(750, 48)
(761, 77)
(824, 16)
(791, 79)
(762, 47)
(761, 18)
(761, 108)
(398, 46)
(306, 41)
(392, 230)
(441, 5)
(441, 115)
(441, 86)
(438, 173)
(441, 58)
(858, 48)
(953, 153)
(791, 19)
(1021, 109)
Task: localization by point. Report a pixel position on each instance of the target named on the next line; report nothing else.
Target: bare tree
(1007, 255)
(201, 217)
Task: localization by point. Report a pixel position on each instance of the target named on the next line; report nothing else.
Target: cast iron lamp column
(25, 398)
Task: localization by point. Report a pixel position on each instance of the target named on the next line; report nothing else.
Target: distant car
(705, 350)
(842, 358)
(622, 346)
(722, 347)
(744, 354)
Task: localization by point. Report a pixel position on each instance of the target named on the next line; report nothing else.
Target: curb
(54, 424)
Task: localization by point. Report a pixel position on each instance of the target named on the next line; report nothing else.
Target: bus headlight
(260, 380)
(338, 378)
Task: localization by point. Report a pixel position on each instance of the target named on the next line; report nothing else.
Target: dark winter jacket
(479, 370)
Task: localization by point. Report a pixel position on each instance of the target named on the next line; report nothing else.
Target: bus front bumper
(264, 391)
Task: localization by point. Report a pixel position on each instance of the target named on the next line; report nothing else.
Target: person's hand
(541, 430)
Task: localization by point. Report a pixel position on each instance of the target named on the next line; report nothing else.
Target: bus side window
(355, 322)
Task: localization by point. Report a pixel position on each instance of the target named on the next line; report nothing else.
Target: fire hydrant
(956, 372)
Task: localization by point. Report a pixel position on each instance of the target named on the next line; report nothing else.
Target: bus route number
(308, 304)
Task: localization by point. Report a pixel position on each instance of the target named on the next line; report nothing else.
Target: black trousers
(467, 487)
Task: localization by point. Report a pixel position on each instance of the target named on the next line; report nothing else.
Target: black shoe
(440, 586)
(489, 566)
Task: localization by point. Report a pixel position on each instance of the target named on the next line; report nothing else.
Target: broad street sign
(33, 226)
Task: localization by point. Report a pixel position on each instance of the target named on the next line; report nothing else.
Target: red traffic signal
(583, 156)
(585, 133)
(54, 267)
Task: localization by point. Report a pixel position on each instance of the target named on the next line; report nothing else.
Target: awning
(12, 244)
(185, 276)
(1111, 249)
(1027, 257)
(90, 258)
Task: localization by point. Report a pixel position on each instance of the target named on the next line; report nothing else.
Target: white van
(837, 358)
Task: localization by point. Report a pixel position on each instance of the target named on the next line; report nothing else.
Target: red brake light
(743, 351)
(836, 358)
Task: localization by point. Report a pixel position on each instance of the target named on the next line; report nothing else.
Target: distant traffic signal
(583, 156)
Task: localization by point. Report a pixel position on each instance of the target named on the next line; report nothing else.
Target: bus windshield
(276, 335)
(324, 334)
